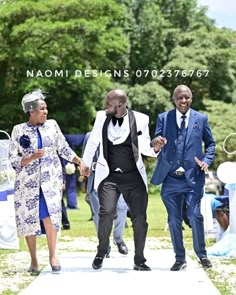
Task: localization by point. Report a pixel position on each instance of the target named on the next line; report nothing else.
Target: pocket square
(139, 133)
(195, 126)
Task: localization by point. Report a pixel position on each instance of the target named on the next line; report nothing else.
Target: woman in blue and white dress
(35, 147)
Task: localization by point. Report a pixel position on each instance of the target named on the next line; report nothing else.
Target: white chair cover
(8, 236)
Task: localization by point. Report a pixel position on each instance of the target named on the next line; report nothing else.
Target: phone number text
(171, 73)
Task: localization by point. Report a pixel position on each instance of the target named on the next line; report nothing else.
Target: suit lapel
(133, 134)
(172, 123)
(104, 137)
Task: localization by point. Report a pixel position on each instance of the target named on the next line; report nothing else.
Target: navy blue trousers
(174, 191)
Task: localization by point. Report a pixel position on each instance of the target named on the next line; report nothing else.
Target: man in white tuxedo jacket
(123, 137)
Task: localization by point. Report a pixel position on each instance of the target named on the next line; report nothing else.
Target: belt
(122, 172)
(179, 173)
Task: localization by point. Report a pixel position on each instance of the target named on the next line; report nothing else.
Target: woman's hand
(83, 169)
(36, 155)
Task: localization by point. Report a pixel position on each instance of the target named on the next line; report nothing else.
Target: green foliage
(48, 36)
(160, 43)
(147, 37)
(222, 121)
(206, 62)
(184, 14)
(151, 98)
(158, 27)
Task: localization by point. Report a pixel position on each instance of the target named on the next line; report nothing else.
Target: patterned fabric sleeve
(63, 147)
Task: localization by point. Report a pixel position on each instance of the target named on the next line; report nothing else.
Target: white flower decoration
(7, 177)
(70, 168)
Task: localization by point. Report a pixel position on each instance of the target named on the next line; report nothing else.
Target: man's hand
(203, 165)
(84, 170)
(158, 143)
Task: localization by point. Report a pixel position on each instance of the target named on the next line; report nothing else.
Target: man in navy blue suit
(181, 167)
(74, 141)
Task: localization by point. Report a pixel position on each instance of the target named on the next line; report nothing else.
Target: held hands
(83, 169)
(158, 143)
(203, 165)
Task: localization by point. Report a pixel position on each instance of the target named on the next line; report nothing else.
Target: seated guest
(221, 212)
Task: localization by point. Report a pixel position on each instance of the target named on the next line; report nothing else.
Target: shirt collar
(179, 115)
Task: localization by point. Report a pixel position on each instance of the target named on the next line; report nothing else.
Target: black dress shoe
(142, 267)
(122, 248)
(97, 262)
(178, 265)
(33, 271)
(56, 268)
(66, 226)
(205, 262)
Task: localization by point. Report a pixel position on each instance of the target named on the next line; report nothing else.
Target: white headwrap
(29, 100)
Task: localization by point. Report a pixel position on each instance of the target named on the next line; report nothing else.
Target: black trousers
(64, 216)
(131, 185)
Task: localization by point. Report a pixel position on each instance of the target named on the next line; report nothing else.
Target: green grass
(80, 226)
(156, 215)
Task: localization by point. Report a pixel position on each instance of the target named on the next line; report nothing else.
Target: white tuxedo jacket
(140, 140)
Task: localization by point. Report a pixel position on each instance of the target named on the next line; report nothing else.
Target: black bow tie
(115, 119)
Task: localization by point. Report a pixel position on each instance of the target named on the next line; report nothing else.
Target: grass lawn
(157, 217)
(82, 227)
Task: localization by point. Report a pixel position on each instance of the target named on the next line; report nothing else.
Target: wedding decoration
(7, 177)
(70, 168)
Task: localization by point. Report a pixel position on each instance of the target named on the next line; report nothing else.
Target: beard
(112, 112)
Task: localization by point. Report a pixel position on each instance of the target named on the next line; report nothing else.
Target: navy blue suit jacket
(198, 133)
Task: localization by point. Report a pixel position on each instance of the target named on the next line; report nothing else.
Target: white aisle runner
(117, 277)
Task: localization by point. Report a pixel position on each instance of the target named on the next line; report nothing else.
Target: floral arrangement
(7, 177)
(25, 141)
(70, 168)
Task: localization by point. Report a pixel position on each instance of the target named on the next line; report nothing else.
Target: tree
(205, 61)
(150, 99)
(46, 36)
(221, 118)
(73, 49)
(157, 27)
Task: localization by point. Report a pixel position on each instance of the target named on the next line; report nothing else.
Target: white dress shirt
(118, 134)
(179, 118)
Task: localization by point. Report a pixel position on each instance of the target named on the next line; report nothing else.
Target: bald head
(117, 94)
(116, 103)
(182, 98)
(180, 89)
